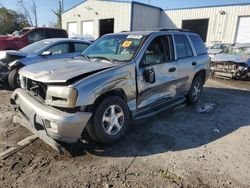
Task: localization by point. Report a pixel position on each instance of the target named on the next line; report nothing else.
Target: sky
(46, 16)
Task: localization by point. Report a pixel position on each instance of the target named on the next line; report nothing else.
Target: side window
(60, 49)
(54, 33)
(36, 35)
(155, 52)
(183, 48)
(80, 47)
(198, 44)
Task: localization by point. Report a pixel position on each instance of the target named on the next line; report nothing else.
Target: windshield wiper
(105, 58)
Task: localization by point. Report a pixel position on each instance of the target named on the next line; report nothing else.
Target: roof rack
(169, 29)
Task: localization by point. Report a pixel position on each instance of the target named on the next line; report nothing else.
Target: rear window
(198, 45)
(183, 47)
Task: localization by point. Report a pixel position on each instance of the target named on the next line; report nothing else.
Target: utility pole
(149, 2)
(62, 3)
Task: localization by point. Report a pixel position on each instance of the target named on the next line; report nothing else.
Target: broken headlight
(61, 96)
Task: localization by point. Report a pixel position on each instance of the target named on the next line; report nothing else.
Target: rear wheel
(13, 79)
(195, 90)
(110, 120)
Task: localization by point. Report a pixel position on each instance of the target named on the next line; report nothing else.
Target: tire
(13, 79)
(197, 83)
(110, 122)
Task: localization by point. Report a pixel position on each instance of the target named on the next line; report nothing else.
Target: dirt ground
(206, 145)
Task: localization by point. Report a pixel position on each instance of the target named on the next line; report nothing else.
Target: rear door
(157, 72)
(186, 61)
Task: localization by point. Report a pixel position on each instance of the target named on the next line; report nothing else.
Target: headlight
(61, 96)
(2, 55)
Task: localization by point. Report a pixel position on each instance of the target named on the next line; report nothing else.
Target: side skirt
(157, 108)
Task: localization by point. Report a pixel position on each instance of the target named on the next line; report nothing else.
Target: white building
(98, 17)
(227, 24)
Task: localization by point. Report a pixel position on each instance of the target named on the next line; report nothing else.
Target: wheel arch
(115, 92)
(202, 73)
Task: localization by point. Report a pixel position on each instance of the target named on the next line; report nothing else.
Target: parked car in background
(234, 62)
(123, 76)
(28, 35)
(49, 49)
(217, 48)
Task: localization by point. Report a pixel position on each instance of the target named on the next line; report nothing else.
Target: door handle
(173, 69)
(194, 63)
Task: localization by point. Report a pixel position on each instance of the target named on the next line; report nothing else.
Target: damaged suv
(119, 78)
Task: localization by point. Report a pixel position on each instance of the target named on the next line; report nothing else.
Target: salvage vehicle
(233, 63)
(49, 49)
(118, 78)
(217, 49)
(29, 35)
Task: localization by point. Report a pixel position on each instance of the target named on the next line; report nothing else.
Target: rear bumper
(61, 126)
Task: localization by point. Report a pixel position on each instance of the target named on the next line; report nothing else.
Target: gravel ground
(206, 145)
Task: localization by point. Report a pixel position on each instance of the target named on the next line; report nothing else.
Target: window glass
(198, 44)
(118, 48)
(59, 49)
(54, 33)
(80, 47)
(183, 47)
(36, 35)
(155, 52)
(35, 47)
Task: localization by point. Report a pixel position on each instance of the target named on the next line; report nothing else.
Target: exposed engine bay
(230, 69)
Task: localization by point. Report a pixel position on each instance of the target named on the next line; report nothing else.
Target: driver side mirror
(149, 75)
(46, 53)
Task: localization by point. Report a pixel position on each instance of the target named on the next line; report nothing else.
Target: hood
(61, 71)
(8, 37)
(11, 55)
(228, 57)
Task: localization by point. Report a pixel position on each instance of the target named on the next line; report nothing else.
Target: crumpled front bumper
(61, 126)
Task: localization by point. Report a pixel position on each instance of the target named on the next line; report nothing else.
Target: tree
(29, 12)
(11, 21)
(58, 14)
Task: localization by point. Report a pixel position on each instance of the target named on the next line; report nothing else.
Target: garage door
(88, 28)
(243, 34)
(72, 29)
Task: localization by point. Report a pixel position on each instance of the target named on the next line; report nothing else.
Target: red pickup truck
(26, 36)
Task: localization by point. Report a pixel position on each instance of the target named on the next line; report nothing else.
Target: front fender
(92, 87)
(15, 64)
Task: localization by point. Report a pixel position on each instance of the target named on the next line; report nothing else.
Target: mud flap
(40, 133)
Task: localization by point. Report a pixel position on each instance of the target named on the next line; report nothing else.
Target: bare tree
(34, 12)
(58, 14)
(29, 12)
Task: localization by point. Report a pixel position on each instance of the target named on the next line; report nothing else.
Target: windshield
(115, 47)
(35, 47)
(238, 51)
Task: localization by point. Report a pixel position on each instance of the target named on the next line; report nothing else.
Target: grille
(38, 89)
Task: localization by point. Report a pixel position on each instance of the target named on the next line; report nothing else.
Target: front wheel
(111, 120)
(195, 90)
(13, 79)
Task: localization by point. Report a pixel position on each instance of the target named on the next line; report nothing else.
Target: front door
(157, 73)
